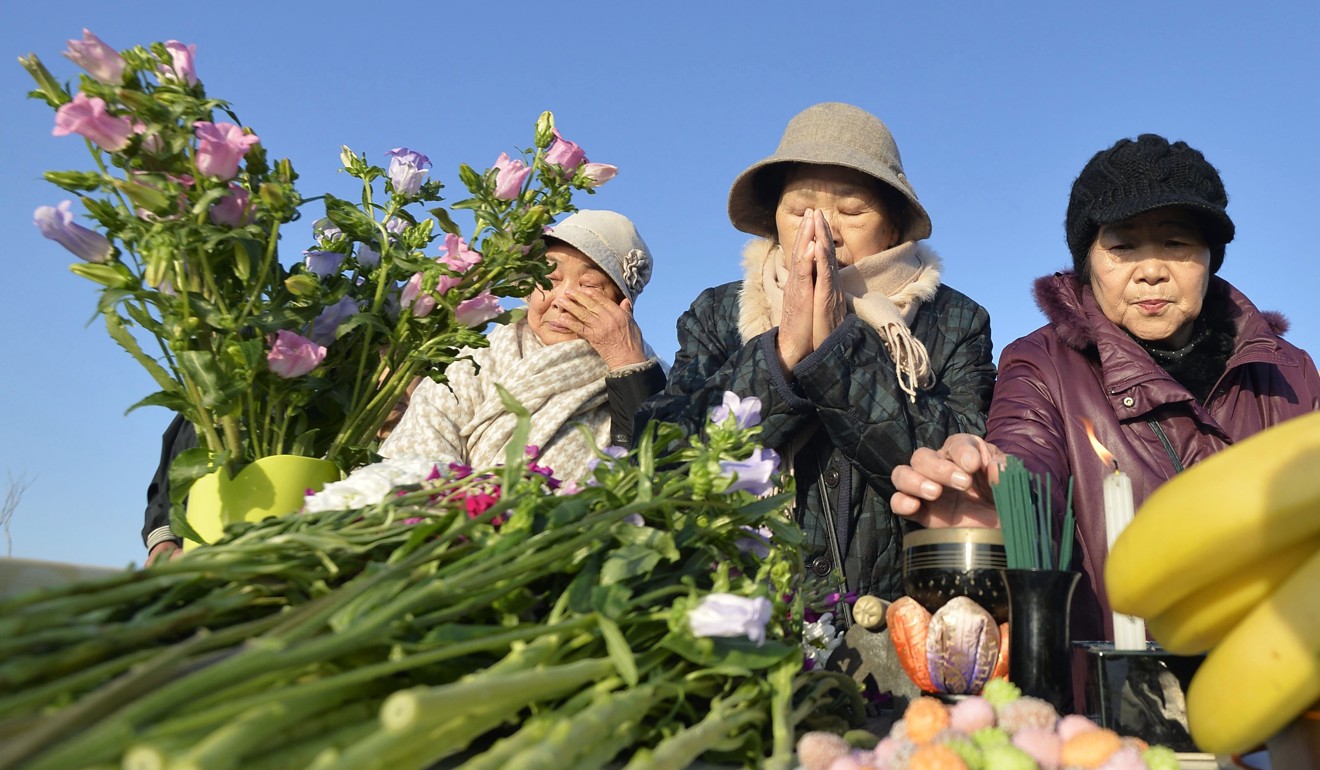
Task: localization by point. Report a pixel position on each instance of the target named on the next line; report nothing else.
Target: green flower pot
(270, 486)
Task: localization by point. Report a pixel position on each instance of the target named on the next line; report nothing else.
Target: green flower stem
(19, 702)
(594, 730)
(258, 286)
(681, 749)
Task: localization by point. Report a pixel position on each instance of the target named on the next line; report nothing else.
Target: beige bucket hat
(611, 241)
(832, 134)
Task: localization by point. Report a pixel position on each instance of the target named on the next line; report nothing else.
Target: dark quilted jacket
(846, 399)
(1083, 365)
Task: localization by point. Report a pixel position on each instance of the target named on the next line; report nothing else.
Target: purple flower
(323, 263)
(565, 154)
(752, 474)
(634, 519)
(598, 174)
(419, 302)
(613, 452)
(746, 411)
(730, 615)
(182, 62)
(509, 177)
(233, 210)
(478, 310)
(220, 147)
(100, 60)
(367, 256)
(293, 355)
(86, 116)
(396, 225)
(406, 170)
(57, 224)
(325, 230)
(327, 323)
(757, 542)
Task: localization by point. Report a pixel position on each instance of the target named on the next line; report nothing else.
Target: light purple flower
(407, 169)
(565, 154)
(730, 615)
(478, 310)
(396, 225)
(100, 60)
(598, 174)
(752, 474)
(327, 323)
(413, 298)
(87, 117)
(509, 176)
(325, 230)
(367, 256)
(220, 147)
(746, 411)
(757, 542)
(634, 519)
(182, 62)
(613, 452)
(233, 210)
(57, 224)
(293, 355)
(323, 263)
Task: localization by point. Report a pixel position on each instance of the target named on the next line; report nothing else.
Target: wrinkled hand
(949, 487)
(829, 305)
(607, 326)
(163, 551)
(803, 295)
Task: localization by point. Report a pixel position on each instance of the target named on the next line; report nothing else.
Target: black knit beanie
(1133, 177)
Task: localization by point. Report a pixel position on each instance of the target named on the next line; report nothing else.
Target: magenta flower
(327, 323)
(752, 474)
(478, 310)
(598, 174)
(100, 60)
(233, 210)
(406, 170)
(413, 298)
(722, 614)
(323, 264)
(220, 147)
(565, 154)
(183, 62)
(746, 411)
(87, 117)
(57, 224)
(509, 176)
(457, 257)
(293, 355)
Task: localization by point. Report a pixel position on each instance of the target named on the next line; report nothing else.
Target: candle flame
(1105, 455)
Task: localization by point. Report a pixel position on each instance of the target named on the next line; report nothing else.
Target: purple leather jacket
(1083, 365)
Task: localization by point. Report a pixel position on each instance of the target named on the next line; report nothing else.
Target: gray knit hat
(832, 134)
(611, 241)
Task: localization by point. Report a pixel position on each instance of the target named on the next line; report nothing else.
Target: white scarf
(884, 290)
(562, 385)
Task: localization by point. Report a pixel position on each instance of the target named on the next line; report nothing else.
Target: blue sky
(995, 106)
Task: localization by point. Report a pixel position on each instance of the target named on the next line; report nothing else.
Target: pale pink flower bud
(220, 147)
(87, 117)
(100, 60)
(565, 154)
(233, 210)
(183, 64)
(598, 174)
(478, 310)
(510, 175)
(413, 298)
(293, 355)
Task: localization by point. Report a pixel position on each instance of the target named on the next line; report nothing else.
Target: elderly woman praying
(843, 328)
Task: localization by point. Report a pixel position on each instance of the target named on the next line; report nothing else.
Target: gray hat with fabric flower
(831, 134)
(611, 241)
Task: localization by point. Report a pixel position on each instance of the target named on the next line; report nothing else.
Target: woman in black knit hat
(1168, 360)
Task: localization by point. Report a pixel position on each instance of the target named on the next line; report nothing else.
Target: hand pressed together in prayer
(949, 486)
(814, 304)
(608, 326)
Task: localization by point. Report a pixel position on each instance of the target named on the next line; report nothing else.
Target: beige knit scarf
(884, 290)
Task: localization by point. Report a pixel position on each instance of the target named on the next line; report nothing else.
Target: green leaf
(349, 218)
(200, 367)
(515, 450)
(74, 181)
(189, 466)
(738, 652)
(627, 562)
(111, 275)
(471, 179)
(114, 325)
(621, 655)
(446, 223)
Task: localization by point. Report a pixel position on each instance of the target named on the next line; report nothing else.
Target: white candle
(1129, 632)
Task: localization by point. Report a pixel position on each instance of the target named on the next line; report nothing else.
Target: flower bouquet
(263, 354)
(486, 618)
